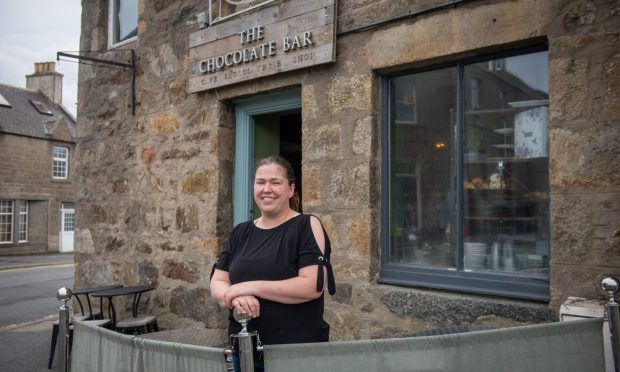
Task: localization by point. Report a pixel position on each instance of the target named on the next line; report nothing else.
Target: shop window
(23, 222)
(123, 21)
(467, 177)
(6, 221)
(60, 162)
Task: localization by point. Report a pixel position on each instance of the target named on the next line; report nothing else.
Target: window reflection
(505, 169)
(506, 204)
(125, 22)
(420, 207)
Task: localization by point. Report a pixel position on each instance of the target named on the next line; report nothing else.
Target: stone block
(569, 78)
(196, 303)
(135, 219)
(343, 293)
(187, 218)
(350, 187)
(210, 245)
(363, 136)
(350, 93)
(180, 154)
(201, 183)
(579, 281)
(575, 221)
(578, 14)
(309, 102)
(187, 272)
(312, 185)
(164, 124)
(358, 234)
(171, 246)
(148, 155)
(84, 241)
(322, 142)
(585, 158)
(148, 273)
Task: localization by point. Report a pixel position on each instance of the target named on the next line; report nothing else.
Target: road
(30, 294)
(26, 296)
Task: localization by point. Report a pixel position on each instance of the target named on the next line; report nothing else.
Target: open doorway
(268, 124)
(279, 134)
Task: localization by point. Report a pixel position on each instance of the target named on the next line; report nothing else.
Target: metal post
(244, 342)
(611, 285)
(64, 295)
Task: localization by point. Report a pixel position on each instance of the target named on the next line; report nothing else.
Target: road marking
(37, 267)
(11, 327)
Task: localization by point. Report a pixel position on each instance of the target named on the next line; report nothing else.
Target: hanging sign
(285, 36)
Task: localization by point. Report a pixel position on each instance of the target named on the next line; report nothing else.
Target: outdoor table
(211, 337)
(136, 291)
(86, 292)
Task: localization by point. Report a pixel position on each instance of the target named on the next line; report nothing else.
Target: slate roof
(24, 119)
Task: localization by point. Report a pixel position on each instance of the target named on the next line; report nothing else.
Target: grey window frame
(488, 283)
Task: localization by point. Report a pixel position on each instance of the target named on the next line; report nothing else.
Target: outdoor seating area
(136, 324)
(575, 345)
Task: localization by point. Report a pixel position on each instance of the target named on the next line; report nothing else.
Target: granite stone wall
(155, 189)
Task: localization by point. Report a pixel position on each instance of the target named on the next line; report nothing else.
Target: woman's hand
(238, 290)
(247, 304)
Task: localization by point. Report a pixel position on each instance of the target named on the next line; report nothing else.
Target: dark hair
(289, 173)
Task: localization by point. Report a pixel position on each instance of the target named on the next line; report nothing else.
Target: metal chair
(140, 325)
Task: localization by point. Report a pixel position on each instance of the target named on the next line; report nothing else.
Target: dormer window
(41, 107)
(4, 102)
(123, 22)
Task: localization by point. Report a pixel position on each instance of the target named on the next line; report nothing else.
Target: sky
(33, 31)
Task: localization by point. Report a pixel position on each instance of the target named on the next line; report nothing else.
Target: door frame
(245, 110)
(63, 211)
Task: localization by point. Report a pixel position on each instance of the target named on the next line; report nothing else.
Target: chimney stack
(47, 80)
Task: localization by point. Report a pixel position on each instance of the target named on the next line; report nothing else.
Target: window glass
(124, 20)
(506, 170)
(23, 221)
(6, 221)
(468, 177)
(60, 162)
(420, 168)
(68, 222)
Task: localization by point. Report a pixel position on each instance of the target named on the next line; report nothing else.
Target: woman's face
(272, 189)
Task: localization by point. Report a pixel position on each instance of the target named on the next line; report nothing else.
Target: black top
(252, 253)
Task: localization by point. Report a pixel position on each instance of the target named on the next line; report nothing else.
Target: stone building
(461, 154)
(37, 188)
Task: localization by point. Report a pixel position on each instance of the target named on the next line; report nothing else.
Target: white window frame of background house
(6, 219)
(23, 222)
(60, 163)
(121, 11)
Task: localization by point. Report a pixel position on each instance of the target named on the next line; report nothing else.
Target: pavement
(21, 343)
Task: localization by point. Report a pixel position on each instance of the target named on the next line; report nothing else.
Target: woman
(273, 268)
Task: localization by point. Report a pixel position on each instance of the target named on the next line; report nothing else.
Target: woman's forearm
(219, 286)
(295, 290)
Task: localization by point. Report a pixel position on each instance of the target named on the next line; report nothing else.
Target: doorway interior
(279, 134)
(265, 125)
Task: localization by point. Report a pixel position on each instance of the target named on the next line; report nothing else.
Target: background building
(461, 154)
(37, 189)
